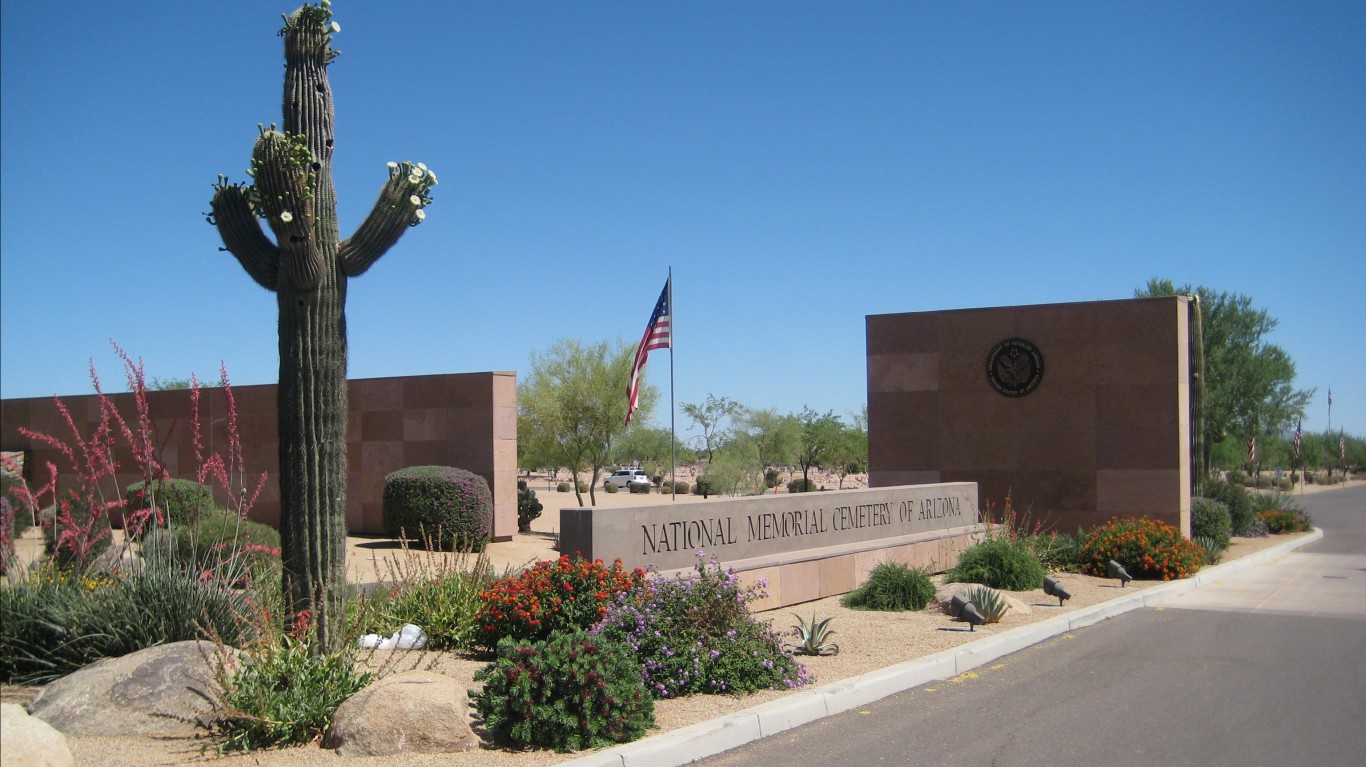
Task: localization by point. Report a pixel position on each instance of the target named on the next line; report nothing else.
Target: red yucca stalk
(81, 515)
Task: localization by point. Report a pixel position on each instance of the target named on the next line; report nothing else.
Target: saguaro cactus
(307, 267)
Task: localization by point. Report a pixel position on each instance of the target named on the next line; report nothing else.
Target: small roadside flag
(1252, 450)
(658, 335)
(1299, 438)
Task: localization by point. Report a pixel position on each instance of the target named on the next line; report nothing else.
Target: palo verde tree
(708, 415)
(307, 266)
(1248, 385)
(572, 406)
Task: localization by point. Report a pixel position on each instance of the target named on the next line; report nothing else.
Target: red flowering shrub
(1147, 549)
(551, 595)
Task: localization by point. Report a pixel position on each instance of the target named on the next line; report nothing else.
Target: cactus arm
(242, 235)
(399, 206)
(285, 182)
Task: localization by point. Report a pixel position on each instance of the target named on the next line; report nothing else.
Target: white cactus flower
(420, 214)
(415, 200)
(392, 165)
(431, 177)
(336, 27)
(422, 167)
(286, 217)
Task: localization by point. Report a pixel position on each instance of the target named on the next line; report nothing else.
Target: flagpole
(673, 459)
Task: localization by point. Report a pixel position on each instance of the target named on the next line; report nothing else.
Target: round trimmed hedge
(439, 506)
(1210, 518)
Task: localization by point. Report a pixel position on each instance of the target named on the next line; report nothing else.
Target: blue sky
(799, 165)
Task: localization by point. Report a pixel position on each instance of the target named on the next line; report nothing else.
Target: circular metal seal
(1015, 367)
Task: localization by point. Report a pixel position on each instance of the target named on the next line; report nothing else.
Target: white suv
(627, 477)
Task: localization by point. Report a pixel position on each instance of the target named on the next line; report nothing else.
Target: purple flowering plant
(695, 634)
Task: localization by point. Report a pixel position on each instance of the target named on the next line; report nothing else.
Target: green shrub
(564, 487)
(1285, 483)
(1000, 564)
(1056, 552)
(639, 488)
(179, 500)
(1237, 477)
(582, 486)
(447, 507)
(681, 487)
(1278, 522)
(284, 695)
(608, 487)
(218, 543)
(1281, 513)
(772, 477)
(442, 598)
(695, 634)
(528, 508)
(892, 586)
(1263, 481)
(1236, 499)
(800, 485)
(55, 622)
(1210, 519)
(550, 596)
(1146, 547)
(567, 692)
(703, 487)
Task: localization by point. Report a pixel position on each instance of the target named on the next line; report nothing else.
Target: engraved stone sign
(734, 529)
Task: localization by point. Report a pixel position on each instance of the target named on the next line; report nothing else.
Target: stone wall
(468, 420)
(1104, 433)
(803, 546)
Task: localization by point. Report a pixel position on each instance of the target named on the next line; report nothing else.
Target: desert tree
(709, 415)
(573, 405)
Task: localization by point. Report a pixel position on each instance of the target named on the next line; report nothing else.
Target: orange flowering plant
(551, 595)
(1146, 547)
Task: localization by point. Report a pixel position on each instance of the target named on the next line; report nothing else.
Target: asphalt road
(1265, 668)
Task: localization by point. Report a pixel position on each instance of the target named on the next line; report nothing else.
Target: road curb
(698, 741)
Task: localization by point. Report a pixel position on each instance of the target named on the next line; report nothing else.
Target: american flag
(658, 335)
(1342, 448)
(1252, 450)
(1299, 437)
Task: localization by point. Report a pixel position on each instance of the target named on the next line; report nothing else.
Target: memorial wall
(1079, 412)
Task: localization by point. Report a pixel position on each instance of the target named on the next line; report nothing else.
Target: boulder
(163, 690)
(945, 594)
(27, 741)
(415, 712)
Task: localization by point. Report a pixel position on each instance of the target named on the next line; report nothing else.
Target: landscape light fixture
(1116, 570)
(1054, 589)
(956, 606)
(972, 616)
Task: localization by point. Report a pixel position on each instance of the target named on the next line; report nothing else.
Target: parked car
(627, 477)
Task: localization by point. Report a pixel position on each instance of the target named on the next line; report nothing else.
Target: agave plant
(1214, 551)
(814, 636)
(989, 602)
